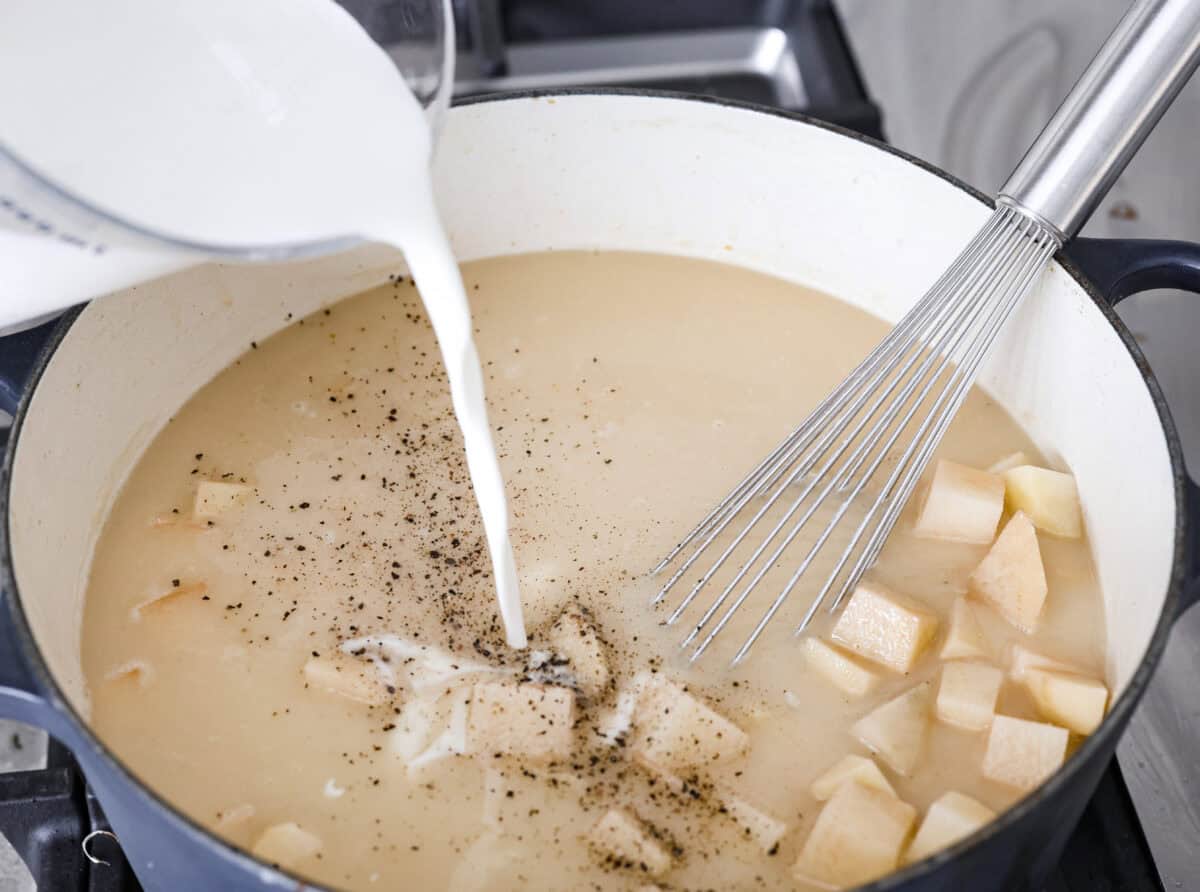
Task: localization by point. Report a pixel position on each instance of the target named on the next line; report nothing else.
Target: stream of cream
(222, 122)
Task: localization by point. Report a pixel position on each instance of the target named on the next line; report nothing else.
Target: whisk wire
(803, 468)
(891, 351)
(854, 430)
(897, 341)
(955, 332)
(1042, 252)
(892, 497)
(945, 327)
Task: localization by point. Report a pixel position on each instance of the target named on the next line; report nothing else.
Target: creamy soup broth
(627, 392)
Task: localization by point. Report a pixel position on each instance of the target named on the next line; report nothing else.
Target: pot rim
(1114, 721)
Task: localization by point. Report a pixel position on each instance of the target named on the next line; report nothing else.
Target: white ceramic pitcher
(65, 239)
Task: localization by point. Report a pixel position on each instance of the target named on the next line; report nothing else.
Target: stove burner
(57, 827)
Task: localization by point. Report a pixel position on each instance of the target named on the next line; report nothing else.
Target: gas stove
(791, 54)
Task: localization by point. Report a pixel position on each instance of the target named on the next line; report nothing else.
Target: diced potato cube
(214, 497)
(1011, 577)
(625, 842)
(613, 725)
(850, 767)
(427, 669)
(678, 730)
(231, 818)
(884, 626)
(950, 818)
(896, 730)
(1021, 659)
(669, 778)
(965, 639)
(756, 824)
(415, 726)
(347, 677)
(857, 837)
(967, 694)
(962, 505)
(1009, 461)
(1021, 753)
(177, 521)
(1073, 701)
(286, 845)
(574, 636)
(135, 670)
(167, 597)
(527, 720)
(839, 668)
(414, 739)
(1049, 498)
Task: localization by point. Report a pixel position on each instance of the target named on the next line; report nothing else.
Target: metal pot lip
(1091, 748)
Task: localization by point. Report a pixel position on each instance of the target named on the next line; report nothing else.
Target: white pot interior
(610, 172)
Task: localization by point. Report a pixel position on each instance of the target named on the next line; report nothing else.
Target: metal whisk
(867, 443)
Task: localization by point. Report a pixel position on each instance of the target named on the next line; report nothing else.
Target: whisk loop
(867, 443)
(900, 399)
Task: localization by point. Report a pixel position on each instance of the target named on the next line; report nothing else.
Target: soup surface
(627, 392)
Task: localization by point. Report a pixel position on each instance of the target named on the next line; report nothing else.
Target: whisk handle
(1107, 115)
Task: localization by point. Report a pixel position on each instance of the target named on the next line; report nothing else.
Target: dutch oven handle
(20, 696)
(18, 353)
(1123, 267)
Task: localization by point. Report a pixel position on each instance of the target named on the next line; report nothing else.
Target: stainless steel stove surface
(792, 54)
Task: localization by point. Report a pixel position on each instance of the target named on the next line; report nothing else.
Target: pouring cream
(233, 127)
